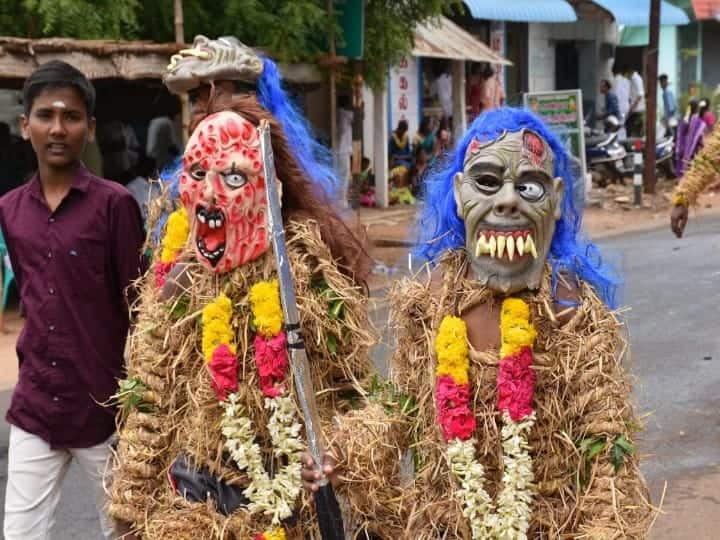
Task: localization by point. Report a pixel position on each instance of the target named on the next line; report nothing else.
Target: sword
(326, 505)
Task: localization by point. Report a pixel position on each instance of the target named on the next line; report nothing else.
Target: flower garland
(509, 517)
(176, 235)
(274, 497)
(273, 534)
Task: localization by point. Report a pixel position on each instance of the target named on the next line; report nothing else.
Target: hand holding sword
(328, 511)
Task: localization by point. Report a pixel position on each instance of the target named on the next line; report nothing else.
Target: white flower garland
(274, 497)
(512, 520)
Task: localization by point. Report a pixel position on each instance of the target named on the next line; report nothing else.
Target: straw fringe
(582, 393)
(165, 354)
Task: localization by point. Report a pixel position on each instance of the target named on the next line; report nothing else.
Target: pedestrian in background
(636, 114)
(611, 107)
(74, 242)
(669, 102)
(621, 87)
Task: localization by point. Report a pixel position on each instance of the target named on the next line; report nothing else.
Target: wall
(541, 58)
(11, 109)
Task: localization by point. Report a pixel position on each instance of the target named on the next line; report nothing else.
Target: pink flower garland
(516, 384)
(272, 363)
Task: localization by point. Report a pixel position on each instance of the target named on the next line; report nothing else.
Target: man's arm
(703, 171)
(127, 237)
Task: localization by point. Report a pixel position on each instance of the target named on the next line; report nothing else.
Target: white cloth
(443, 90)
(637, 90)
(344, 122)
(35, 474)
(622, 91)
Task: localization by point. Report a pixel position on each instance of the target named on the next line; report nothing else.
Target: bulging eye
(531, 190)
(488, 184)
(234, 180)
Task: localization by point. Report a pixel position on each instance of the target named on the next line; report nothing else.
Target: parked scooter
(664, 154)
(605, 155)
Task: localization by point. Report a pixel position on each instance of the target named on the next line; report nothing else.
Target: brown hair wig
(301, 199)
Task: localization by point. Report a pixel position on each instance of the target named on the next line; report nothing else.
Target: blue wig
(440, 228)
(312, 157)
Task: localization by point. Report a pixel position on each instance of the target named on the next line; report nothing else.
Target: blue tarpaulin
(637, 12)
(522, 10)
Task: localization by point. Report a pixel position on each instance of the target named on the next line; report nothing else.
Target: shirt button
(51, 290)
(51, 327)
(49, 255)
(55, 398)
(51, 220)
(53, 363)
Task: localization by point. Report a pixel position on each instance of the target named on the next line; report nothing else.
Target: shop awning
(706, 9)
(442, 38)
(522, 10)
(637, 12)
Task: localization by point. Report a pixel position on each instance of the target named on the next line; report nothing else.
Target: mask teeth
(498, 244)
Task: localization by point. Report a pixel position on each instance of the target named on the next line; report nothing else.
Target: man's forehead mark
(59, 104)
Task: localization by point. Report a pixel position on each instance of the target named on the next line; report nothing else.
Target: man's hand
(678, 219)
(311, 476)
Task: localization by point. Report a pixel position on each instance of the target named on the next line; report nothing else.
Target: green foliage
(593, 447)
(389, 30)
(131, 396)
(290, 31)
(385, 393)
(86, 19)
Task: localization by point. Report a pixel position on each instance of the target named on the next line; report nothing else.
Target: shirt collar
(80, 183)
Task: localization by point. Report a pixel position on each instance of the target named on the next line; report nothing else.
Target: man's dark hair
(606, 83)
(663, 77)
(58, 74)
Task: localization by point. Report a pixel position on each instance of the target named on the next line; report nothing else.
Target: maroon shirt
(72, 267)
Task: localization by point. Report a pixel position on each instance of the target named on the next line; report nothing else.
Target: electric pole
(180, 39)
(649, 176)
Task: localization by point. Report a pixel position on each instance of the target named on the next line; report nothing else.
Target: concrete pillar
(380, 152)
(458, 94)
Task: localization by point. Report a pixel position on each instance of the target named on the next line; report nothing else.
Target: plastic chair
(8, 274)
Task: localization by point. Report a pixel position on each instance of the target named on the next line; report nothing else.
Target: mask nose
(208, 189)
(507, 201)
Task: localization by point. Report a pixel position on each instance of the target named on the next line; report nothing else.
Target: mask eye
(198, 173)
(488, 184)
(531, 190)
(234, 180)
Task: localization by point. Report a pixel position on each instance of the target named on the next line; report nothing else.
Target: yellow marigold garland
(266, 307)
(176, 235)
(515, 327)
(452, 349)
(216, 317)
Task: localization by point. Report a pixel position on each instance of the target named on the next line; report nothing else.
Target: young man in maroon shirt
(74, 242)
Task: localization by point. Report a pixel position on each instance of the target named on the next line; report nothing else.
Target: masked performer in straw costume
(704, 171)
(210, 432)
(507, 385)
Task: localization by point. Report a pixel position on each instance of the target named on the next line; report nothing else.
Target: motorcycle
(605, 156)
(664, 154)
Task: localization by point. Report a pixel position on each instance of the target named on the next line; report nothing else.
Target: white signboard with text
(404, 94)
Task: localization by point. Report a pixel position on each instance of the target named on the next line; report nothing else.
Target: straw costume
(509, 404)
(703, 171)
(210, 434)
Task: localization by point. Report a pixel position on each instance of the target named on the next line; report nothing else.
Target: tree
(88, 19)
(389, 31)
(290, 30)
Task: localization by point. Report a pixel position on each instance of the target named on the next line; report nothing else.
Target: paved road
(673, 288)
